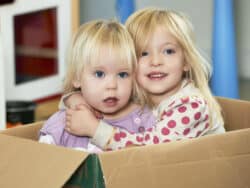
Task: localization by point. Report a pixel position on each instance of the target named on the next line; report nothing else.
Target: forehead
(161, 36)
(110, 57)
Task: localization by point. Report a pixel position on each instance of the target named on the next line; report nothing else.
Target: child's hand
(73, 100)
(81, 122)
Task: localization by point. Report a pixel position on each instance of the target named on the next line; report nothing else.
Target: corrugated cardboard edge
(211, 161)
(235, 112)
(27, 163)
(28, 131)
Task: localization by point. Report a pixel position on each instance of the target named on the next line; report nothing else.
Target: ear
(186, 67)
(76, 83)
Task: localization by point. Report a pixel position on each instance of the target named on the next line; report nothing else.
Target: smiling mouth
(157, 75)
(111, 101)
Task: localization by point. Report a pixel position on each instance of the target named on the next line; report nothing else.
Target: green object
(88, 175)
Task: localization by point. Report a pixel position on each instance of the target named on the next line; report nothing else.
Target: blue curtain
(124, 8)
(225, 74)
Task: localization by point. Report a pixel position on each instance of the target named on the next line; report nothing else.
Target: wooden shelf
(45, 109)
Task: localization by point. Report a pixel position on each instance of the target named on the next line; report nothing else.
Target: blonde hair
(144, 22)
(89, 40)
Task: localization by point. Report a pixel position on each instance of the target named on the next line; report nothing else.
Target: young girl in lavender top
(101, 64)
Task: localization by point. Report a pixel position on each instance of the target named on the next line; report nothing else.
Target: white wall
(242, 23)
(2, 96)
(95, 9)
(201, 15)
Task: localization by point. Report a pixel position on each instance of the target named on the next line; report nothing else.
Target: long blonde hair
(89, 40)
(143, 23)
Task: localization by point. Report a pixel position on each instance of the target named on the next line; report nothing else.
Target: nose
(156, 60)
(111, 82)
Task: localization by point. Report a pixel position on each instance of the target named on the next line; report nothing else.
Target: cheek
(139, 79)
(141, 70)
(178, 71)
(88, 83)
(90, 92)
(141, 75)
(129, 84)
(127, 87)
(176, 65)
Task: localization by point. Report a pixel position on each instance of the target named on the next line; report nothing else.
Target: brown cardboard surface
(236, 113)
(29, 131)
(26, 163)
(211, 161)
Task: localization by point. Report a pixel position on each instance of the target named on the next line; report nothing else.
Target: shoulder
(189, 105)
(55, 123)
(185, 93)
(56, 118)
(188, 95)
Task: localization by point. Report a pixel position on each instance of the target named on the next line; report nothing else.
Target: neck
(158, 98)
(122, 112)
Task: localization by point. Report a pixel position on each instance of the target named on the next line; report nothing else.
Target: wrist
(102, 134)
(94, 127)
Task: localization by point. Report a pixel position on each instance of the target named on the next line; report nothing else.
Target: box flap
(27, 163)
(29, 131)
(236, 113)
(210, 161)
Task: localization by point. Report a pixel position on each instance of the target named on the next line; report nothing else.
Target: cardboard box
(213, 161)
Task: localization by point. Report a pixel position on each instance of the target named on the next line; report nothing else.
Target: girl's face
(161, 66)
(106, 85)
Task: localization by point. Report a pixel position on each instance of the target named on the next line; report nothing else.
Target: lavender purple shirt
(137, 121)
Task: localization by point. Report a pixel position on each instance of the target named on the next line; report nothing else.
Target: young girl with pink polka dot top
(174, 74)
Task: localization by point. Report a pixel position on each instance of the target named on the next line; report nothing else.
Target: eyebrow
(165, 44)
(170, 43)
(120, 69)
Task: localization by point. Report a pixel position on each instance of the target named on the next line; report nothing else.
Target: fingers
(68, 120)
(82, 107)
(98, 115)
(73, 107)
(68, 129)
(85, 107)
(69, 112)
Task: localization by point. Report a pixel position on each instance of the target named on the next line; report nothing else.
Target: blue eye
(99, 74)
(144, 54)
(123, 74)
(169, 51)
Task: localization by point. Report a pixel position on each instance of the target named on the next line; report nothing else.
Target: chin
(157, 91)
(110, 111)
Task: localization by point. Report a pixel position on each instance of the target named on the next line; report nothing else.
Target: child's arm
(71, 100)
(182, 120)
(81, 122)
